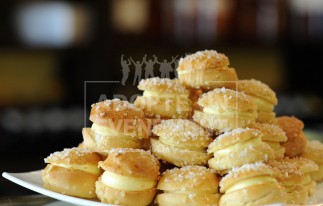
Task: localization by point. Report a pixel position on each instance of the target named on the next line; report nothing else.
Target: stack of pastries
(216, 141)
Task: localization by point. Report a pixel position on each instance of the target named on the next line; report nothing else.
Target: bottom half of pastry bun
(208, 78)
(165, 108)
(189, 199)
(246, 153)
(178, 156)
(112, 195)
(318, 175)
(266, 117)
(223, 122)
(297, 195)
(71, 182)
(258, 194)
(103, 144)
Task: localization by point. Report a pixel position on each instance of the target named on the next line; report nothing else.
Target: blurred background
(48, 49)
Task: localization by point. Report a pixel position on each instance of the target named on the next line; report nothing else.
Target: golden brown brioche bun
(181, 142)
(121, 117)
(134, 163)
(296, 142)
(294, 175)
(164, 98)
(273, 136)
(111, 195)
(103, 144)
(314, 152)
(207, 70)
(238, 147)
(225, 109)
(72, 172)
(251, 184)
(190, 185)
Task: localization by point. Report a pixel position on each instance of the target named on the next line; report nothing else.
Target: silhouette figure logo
(145, 68)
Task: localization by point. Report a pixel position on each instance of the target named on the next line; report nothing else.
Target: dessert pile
(206, 138)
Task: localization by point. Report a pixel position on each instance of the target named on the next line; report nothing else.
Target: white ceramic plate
(33, 181)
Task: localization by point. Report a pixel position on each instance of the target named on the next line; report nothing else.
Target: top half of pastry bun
(314, 151)
(258, 90)
(222, 100)
(206, 69)
(246, 172)
(75, 158)
(203, 60)
(271, 132)
(135, 163)
(182, 132)
(104, 111)
(120, 117)
(162, 87)
(287, 167)
(75, 155)
(235, 136)
(189, 178)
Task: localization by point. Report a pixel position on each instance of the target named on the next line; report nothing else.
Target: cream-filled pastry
(189, 185)
(251, 184)
(314, 152)
(164, 98)
(262, 95)
(206, 69)
(296, 139)
(116, 124)
(72, 172)
(181, 142)
(129, 177)
(294, 175)
(225, 110)
(236, 148)
(273, 136)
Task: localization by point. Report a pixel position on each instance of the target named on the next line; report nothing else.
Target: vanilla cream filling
(121, 182)
(262, 104)
(274, 145)
(167, 95)
(250, 182)
(106, 131)
(166, 141)
(237, 146)
(93, 169)
(214, 111)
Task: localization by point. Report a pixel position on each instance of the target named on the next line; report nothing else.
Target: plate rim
(40, 189)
